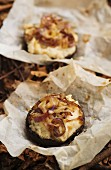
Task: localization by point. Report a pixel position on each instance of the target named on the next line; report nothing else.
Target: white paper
(94, 96)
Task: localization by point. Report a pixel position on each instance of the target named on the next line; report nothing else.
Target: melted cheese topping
(35, 47)
(72, 123)
(54, 37)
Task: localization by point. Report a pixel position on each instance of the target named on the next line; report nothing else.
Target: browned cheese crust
(54, 36)
(54, 120)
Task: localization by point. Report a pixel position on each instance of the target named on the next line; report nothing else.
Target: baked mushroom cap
(54, 120)
(54, 36)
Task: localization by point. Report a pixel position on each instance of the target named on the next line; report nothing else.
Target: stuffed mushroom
(54, 36)
(54, 120)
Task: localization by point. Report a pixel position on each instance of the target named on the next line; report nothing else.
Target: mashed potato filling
(35, 47)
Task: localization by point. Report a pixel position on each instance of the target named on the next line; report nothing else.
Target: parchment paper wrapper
(93, 18)
(94, 96)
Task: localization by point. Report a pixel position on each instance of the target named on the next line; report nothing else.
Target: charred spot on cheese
(54, 36)
(54, 120)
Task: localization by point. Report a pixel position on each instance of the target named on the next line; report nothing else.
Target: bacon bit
(65, 114)
(49, 41)
(41, 118)
(69, 37)
(46, 21)
(57, 127)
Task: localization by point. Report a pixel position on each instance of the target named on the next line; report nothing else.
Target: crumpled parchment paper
(94, 96)
(91, 19)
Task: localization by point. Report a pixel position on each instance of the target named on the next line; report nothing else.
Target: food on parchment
(54, 36)
(54, 120)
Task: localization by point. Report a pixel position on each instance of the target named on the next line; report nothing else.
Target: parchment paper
(94, 96)
(92, 18)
